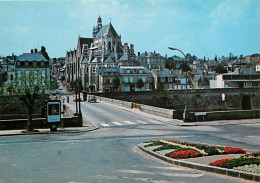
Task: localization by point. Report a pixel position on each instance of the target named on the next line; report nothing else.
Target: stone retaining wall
(17, 124)
(168, 113)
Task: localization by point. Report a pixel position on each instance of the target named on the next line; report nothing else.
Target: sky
(199, 27)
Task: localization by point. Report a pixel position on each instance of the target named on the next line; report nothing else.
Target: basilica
(103, 52)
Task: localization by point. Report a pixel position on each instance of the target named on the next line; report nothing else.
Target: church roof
(83, 40)
(107, 29)
(109, 60)
(85, 61)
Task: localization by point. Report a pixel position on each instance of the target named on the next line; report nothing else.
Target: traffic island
(203, 157)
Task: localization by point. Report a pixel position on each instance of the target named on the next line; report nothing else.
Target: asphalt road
(110, 154)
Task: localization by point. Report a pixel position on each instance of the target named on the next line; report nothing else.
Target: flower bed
(247, 162)
(184, 154)
(181, 150)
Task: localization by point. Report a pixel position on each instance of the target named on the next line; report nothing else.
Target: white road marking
(129, 122)
(141, 122)
(104, 124)
(117, 123)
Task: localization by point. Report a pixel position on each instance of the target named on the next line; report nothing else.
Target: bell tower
(99, 23)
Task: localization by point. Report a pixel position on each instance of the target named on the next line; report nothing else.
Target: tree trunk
(29, 124)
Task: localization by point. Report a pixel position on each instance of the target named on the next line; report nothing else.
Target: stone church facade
(104, 49)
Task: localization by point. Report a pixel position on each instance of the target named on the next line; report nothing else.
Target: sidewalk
(47, 131)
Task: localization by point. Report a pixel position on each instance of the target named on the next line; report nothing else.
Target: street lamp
(186, 91)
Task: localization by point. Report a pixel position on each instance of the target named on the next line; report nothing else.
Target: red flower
(184, 154)
(234, 150)
(220, 162)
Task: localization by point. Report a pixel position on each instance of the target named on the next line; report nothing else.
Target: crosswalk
(126, 123)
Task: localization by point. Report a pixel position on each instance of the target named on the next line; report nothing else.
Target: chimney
(43, 49)
(126, 48)
(145, 53)
(31, 50)
(132, 51)
(171, 71)
(139, 53)
(35, 50)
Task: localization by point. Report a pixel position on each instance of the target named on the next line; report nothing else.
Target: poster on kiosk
(53, 111)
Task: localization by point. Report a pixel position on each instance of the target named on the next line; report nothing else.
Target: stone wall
(197, 100)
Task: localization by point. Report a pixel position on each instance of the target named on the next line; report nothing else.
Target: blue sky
(199, 27)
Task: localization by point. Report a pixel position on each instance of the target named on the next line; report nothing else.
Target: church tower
(99, 23)
(97, 28)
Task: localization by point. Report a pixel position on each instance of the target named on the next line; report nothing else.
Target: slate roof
(126, 57)
(32, 57)
(85, 61)
(246, 71)
(109, 60)
(163, 72)
(108, 69)
(87, 41)
(123, 69)
(106, 29)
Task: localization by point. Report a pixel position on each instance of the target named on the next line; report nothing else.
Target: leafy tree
(29, 88)
(190, 58)
(116, 82)
(3, 77)
(170, 64)
(140, 84)
(220, 69)
(185, 67)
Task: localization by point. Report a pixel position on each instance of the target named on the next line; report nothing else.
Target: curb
(49, 132)
(208, 168)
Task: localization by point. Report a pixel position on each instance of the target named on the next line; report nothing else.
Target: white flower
(151, 148)
(165, 151)
(254, 168)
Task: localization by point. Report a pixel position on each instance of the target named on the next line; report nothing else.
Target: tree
(29, 87)
(140, 84)
(170, 64)
(115, 82)
(190, 58)
(221, 69)
(185, 67)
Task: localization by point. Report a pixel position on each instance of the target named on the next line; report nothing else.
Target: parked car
(74, 98)
(92, 98)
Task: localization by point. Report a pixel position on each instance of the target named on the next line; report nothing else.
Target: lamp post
(186, 91)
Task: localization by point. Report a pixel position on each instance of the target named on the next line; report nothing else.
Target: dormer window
(140, 71)
(128, 71)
